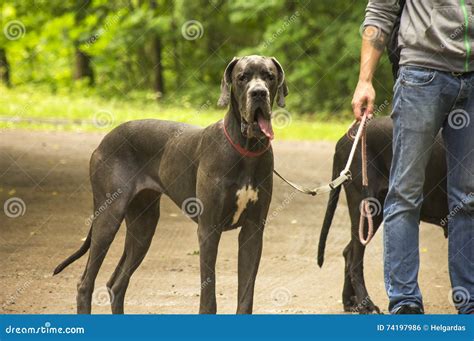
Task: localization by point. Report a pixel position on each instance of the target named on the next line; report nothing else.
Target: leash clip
(347, 173)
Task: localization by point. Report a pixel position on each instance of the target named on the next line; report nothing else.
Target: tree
(83, 67)
(156, 57)
(4, 68)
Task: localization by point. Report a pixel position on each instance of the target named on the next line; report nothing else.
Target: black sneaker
(408, 309)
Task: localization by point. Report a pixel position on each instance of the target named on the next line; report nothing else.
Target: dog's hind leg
(348, 293)
(104, 227)
(363, 302)
(142, 217)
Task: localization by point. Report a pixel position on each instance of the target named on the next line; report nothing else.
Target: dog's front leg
(209, 237)
(250, 251)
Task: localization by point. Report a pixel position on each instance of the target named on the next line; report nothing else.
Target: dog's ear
(282, 90)
(226, 82)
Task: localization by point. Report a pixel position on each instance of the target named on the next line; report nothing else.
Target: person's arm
(372, 49)
(379, 19)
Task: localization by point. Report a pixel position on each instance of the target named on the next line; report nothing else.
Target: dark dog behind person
(434, 90)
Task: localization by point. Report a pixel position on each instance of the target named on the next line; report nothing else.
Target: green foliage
(35, 108)
(317, 42)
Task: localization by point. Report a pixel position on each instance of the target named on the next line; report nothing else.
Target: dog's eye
(270, 76)
(242, 78)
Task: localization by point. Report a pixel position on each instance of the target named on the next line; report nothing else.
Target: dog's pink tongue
(266, 127)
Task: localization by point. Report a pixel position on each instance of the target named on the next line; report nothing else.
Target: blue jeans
(426, 101)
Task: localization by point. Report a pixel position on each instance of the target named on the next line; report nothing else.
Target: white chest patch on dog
(244, 195)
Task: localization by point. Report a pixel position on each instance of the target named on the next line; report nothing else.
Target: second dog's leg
(250, 251)
(348, 293)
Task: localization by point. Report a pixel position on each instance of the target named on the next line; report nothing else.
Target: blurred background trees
(176, 51)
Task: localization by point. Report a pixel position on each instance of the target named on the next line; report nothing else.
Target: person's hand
(363, 100)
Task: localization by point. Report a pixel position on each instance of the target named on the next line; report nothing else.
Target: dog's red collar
(241, 150)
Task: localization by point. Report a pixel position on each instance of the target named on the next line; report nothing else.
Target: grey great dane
(221, 176)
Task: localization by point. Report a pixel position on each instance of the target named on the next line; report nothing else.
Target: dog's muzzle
(257, 121)
(260, 125)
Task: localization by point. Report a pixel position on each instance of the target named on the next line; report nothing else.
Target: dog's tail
(76, 255)
(330, 210)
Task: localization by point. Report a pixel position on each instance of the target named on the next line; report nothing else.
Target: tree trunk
(156, 58)
(158, 82)
(175, 46)
(4, 68)
(83, 66)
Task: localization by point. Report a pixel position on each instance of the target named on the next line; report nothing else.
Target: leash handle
(365, 213)
(365, 210)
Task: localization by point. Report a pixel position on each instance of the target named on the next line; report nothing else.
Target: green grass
(36, 109)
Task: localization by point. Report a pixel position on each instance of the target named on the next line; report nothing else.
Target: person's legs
(421, 100)
(458, 134)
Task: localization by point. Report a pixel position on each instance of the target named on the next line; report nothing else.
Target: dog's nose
(259, 93)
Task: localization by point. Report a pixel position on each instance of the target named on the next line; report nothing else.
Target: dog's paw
(363, 308)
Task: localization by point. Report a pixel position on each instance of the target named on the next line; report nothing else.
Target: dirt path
(49, 172)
